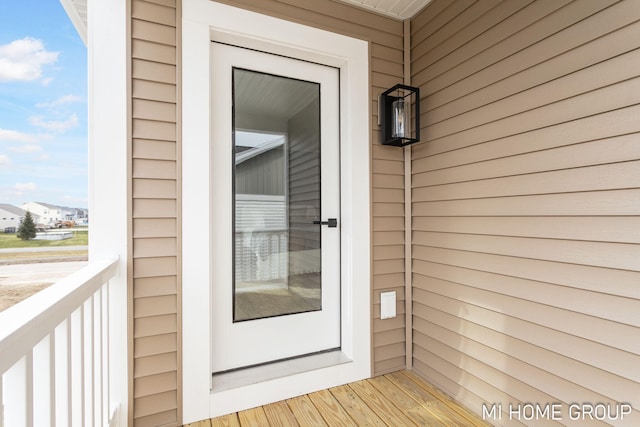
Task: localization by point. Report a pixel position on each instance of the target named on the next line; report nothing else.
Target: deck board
(355, 407)
(279, 414)
(419, 414)
(441, 413)
(393, 400)
(253, 417)
(305, 412)
(230, 420)
(384, 408)
(332, 412)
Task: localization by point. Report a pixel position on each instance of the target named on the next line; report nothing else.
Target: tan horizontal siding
(151, 31)
(154, 227)
(155, 344)
(157, 91)
(155, 403)
(602, 126)
(154, 149)
(157, 419)
(617, 282)
(157, 364)
(156, 383)
(154, 286)
(154, 111)
(533, 42)
(598, 152)
(526, 249)
(581, 57)
(154, 267)
(154, 208)
(155, 325)
(154, 188)
(623, 229)
(153, 12)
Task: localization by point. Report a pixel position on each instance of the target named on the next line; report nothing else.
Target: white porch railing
(54, 353)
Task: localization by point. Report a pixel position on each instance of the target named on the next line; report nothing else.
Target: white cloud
(46, 81)
(55, 125)
(29, 148)
(12, 135)
(67, 99)
(22, 60)
(28, 186)
(4, 160)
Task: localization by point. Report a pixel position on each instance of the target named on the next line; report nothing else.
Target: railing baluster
(97, 357)
(70, 384)
(81, 381)
(41, 383)
(29, 388)
(15, 405)
(106, 410)
(62, 349)
(1, 400)
(89, 362)
(52, 378)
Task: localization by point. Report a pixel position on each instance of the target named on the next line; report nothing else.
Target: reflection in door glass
(277, 259)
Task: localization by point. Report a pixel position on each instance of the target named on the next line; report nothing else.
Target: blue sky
(43, 105)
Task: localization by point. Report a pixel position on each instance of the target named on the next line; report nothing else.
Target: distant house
(73, 214)
(77, 214)
(11, 217)
(48, 214)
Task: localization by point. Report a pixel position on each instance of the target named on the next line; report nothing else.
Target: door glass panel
(276, 180)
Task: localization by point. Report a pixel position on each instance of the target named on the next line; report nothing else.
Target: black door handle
(331, 222)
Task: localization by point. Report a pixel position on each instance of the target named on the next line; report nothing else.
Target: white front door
(275, 187)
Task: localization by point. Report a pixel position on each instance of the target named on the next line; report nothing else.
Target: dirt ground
(13, 294)
(24, 274)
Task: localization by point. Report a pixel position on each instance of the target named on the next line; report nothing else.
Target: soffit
(77, 12)
(399, 9)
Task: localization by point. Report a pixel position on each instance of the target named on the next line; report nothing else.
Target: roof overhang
(399, 9)
(77, 12)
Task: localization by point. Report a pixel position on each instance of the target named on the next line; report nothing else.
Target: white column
(109, 153)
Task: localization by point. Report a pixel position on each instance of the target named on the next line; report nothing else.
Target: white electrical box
(387, 305)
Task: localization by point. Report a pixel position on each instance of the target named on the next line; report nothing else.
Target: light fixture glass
(400, 119)
(399, 115)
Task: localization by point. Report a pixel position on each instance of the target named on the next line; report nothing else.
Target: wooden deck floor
(395, 400)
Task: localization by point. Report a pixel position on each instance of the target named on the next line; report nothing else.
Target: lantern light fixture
(399, 115)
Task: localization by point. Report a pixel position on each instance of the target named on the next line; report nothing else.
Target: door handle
(331, 222)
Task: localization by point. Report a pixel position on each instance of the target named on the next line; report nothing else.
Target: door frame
(202, 22)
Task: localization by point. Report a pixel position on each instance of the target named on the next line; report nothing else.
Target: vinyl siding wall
(526, 195)
(156, 373)
(386, 63)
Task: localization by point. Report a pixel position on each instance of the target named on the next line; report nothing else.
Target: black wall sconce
(399, 115)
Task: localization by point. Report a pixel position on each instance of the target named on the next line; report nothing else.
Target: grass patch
(80, 238)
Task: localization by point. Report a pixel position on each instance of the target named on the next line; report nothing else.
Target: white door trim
(204, 20)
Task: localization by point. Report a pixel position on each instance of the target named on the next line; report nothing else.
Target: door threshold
(280, 369)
